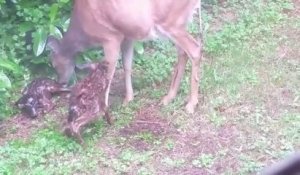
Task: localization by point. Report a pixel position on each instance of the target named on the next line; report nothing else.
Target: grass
(48, 152)
(248, 117)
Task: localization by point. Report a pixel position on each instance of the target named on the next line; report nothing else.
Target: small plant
(48, 152)
(144, 171)
(150, 71)
(204, 161)
(249, 165)
(216, 119)
(173, 162)
(132, 156)
(170, 144)
(146, 136)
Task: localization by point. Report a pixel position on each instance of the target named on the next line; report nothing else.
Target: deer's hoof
(190, 107)
(165, 100)
(127, 100)
(68, 132)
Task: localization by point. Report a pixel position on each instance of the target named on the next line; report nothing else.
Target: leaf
(54, 31)
(4, 81)
(64, 1)
(66, 24)
(139, 48)
(39, 42)
(25, 27)
(39, 60)
(7, 64)
(53, 12)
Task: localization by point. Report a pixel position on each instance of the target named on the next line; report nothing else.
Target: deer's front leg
(111, 52)
(127, 58)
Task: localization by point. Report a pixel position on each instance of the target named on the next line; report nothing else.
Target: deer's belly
(151, 33)
(157, 32)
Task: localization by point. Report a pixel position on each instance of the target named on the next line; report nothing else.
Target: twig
(148, 122)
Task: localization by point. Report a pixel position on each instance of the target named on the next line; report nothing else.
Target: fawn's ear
(53, 43)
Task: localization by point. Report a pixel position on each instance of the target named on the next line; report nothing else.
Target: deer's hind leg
(178, 73)
(193, 50)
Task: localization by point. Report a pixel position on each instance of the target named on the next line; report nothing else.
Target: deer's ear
(53, 43)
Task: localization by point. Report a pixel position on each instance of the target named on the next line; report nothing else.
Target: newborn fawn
(36, 97)
(87, 101)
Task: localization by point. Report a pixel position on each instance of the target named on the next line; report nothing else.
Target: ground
(248, 116)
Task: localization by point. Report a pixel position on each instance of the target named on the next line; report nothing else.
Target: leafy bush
(147, 64)
(24, 29)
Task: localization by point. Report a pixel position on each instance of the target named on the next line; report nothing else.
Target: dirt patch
(17, 127)
(188, 171)
(147, 119)
(22, 127)
(205, 139)
(297, 7)
(287, 49)
(296, 11)
(231, 109)
(280, 100)
(225, 16)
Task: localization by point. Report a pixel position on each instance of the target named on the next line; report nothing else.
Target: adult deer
(116, 24)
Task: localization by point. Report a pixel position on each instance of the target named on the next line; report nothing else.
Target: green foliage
(11, 72)
(139, 48)
(150, 71)
(249, 165)
(173, 162)
(209, 2)
(24, 28)
(249, 24)
(48, 152)
(204, 161)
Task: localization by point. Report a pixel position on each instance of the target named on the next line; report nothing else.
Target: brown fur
(87, 101)
(36, 97)
(116, 24)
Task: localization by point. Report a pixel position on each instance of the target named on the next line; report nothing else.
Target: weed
(132, 156)
(204, 161)
(144, 171)
(128, 158)
(146, 136)
(170, 144)
(249, 165)
(48, 152)
(216, 119)
(147, 65)
(175, 163)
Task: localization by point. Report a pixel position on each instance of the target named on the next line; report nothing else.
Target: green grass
(248, 117)
(47, 152)
(204, 161)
